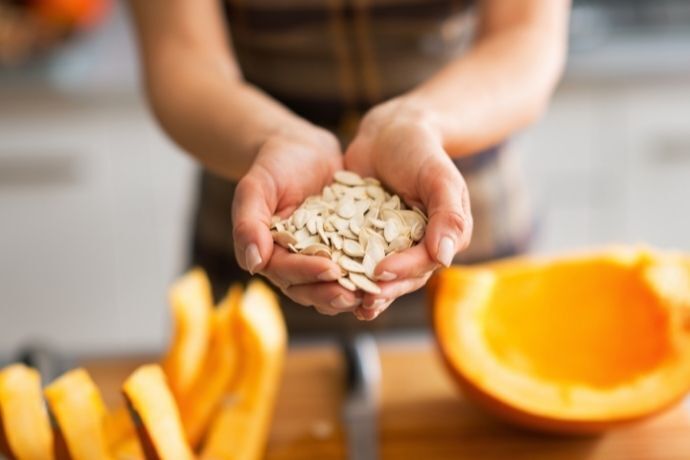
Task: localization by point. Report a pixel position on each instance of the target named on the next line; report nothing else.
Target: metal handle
(363, 377)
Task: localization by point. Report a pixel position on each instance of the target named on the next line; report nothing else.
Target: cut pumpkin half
(575, 344)
(25, 432)
(157, 419)
(78, 409)
(241, 426)
(191, 302)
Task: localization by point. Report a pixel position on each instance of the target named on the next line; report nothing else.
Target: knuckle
(239, 229)
(458, 223)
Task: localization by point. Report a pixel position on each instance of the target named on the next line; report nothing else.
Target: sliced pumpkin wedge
(78, 409)
(191, 302)
(128, 449)
(25, 432)
(240, 428)
(158, 421)
(218, 369)
(573, 344)
(122, 435)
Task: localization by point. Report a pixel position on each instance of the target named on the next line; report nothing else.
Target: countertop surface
(422, 415)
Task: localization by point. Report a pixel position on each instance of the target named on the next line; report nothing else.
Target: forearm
(500, 86)
(196, 90)
(222, 121)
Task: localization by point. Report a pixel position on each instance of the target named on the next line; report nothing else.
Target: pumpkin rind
(159, 426)
(217, 372)
(192, 306)
(25, 431)
(462, 307)
(76, 404)
(240, 429)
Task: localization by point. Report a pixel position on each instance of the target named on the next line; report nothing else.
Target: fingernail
(329, 275)
(342, 303)
(252, 258)
(386, 276)
(446, 251)
(375, 304)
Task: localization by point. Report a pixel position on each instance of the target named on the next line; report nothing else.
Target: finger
(327, 298)
(445, 194)
(286, 268)
(252, 208)
(410, 263)
(357, 157)
(392, 290)
(364, 314)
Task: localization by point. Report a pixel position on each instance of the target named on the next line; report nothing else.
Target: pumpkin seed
(391, 230)
(317, 249)
(354, 222)
(350, 265)
(336, 240)
(352, 248)
(346, 207)
(284, 238)
(399, 244)
(364, 283)
(347, 283)
(348, 178)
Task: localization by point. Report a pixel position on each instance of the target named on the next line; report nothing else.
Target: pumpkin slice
(574, 344)
(128, 449)
(240, 429)
(219, 367)
(76, 404)
(121, 435)
(192, 304)
(25, 432)
(158, 420)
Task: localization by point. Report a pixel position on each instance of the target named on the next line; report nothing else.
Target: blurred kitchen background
(95, 201)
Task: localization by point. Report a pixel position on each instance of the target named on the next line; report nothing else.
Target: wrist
(417, 110)
(403, 113)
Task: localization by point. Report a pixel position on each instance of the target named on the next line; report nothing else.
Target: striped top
(329, 59)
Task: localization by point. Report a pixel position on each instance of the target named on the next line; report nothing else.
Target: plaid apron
(330, 61)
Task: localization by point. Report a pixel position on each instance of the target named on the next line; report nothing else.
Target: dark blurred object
(593, 21)
(48, 362)
(30, 28)
(625, 40)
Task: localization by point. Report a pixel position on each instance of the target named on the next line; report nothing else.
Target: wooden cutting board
(422, 415)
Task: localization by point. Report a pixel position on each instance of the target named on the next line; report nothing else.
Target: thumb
(445, 195)
(252, 209)
(357, 157)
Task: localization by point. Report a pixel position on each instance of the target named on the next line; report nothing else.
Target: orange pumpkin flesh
(572, 345)
(25, 431)
(192, 306)
(121, 435)
(160, 429)
(226, 364)
(80, 413)
(218, 369)
(240, 429)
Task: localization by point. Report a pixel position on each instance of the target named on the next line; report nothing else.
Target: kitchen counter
(422, 415)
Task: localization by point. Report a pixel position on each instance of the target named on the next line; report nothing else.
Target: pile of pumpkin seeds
(355, 223)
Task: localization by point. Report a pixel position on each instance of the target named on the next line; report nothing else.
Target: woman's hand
(289, 167)
(398, 144)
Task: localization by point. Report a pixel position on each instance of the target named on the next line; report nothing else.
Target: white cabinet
(93, 218)
(657, 206)
(610, 163)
